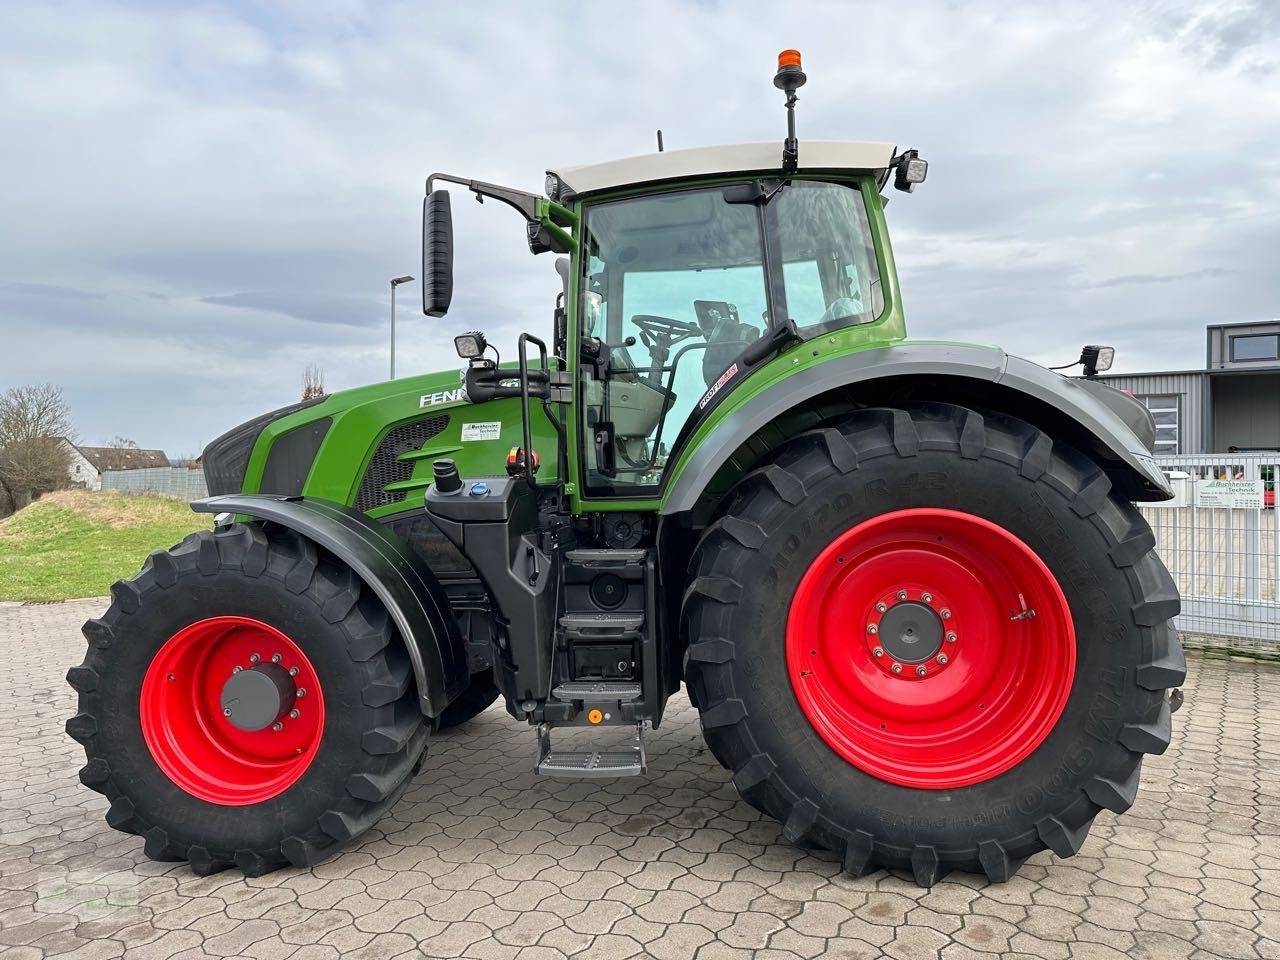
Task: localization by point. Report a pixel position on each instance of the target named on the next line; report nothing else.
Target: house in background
(87, 463)
(1231, 406)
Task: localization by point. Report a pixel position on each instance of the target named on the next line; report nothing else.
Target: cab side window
(829, 260)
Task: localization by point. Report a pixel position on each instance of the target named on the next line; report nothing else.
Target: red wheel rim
(189, 733)
(862, 659)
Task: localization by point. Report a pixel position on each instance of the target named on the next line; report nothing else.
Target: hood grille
(385, 467)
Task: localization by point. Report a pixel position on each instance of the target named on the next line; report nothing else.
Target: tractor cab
(687, 271)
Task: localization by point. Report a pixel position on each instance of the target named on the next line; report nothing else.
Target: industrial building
(1231, 406)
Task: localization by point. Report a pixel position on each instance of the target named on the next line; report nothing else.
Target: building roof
(122, 458)
(764, 157)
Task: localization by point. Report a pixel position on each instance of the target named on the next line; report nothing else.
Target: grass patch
(76, 543)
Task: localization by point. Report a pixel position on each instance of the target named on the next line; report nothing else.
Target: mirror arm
(549, 222)
(526, 203)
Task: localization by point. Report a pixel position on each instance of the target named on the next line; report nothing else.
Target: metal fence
(1220, 538)
(167, 481)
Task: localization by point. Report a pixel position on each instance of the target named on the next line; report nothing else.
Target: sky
(201, 199)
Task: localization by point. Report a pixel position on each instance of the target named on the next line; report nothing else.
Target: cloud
(1145, 278)
(51, 290)
(311, 307)
(205, 199)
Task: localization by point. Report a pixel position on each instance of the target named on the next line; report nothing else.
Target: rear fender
(408, 590)
(1114, 426)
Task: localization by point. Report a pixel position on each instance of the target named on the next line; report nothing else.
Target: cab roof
(763, 157)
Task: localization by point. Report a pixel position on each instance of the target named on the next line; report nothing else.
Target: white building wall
(81, 472)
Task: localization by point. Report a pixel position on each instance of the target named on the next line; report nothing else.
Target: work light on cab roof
(904, 581)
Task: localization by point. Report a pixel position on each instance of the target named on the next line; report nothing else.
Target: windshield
(678, 286)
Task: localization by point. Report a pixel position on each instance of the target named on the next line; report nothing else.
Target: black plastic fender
(411, 594)
(1113, 420)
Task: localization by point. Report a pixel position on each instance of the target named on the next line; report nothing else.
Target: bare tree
(312, 382)
(33, 456)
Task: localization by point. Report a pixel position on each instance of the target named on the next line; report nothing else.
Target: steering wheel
(665, 328)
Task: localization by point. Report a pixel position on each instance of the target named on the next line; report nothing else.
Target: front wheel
(954, 648)
(478, 697)
(245, 702)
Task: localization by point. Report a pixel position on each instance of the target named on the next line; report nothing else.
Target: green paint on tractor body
(364, 416)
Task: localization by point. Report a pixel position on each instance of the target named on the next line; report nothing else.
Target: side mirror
(437, 253)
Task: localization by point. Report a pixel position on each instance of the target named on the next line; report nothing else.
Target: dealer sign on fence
(1233, 494)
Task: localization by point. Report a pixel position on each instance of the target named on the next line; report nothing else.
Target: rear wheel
(244, 702)
(954, 648)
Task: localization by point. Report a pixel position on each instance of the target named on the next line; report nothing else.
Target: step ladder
(598, 691)
(625, 760)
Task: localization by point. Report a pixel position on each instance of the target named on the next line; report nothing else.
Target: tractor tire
(931, 639)
(473, 701)
(245, 703)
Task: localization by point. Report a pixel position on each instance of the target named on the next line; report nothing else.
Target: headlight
(1097, 359)
(470, 345)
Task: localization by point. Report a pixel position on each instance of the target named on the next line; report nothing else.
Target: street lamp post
(395, 282)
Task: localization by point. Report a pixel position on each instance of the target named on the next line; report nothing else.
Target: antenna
(659, 141)
(789, 79)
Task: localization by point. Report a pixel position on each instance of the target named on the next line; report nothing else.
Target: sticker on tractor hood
(715, 387)
(442, 396)
(491, 430)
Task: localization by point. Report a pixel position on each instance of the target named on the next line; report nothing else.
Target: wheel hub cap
(911, 632)
(930, 648)
(254, 699)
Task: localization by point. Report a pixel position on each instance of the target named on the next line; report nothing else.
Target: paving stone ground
(481, 859)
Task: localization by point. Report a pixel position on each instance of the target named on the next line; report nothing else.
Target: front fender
(1098, 411)
(410, 592)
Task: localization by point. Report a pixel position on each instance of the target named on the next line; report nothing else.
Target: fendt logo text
(442, 396)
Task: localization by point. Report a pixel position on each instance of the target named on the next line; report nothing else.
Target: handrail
(525, 339)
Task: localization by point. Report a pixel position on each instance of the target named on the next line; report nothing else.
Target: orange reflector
(788, 58)
(595, 716)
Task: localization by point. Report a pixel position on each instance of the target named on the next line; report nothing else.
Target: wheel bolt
(943, 659)
(302, 692)
(226, 711)
(872, 628)
(921, 671)
(254, 658)
(293, 671)
(902, 594)
(277, 726)
(927, 597)
(237, 668)
(951, 637)
(878, 652)
(896, 668)
(275, 658)
(881, 607)
(294, 714)
(945, 614)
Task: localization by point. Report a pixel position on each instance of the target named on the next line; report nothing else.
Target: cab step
(606, 559)
(627, 760)
(601, 625)
(598, 691)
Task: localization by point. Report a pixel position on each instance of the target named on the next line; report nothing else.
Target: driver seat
(726, 338)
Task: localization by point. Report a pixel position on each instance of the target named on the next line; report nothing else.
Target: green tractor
(904, 582)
